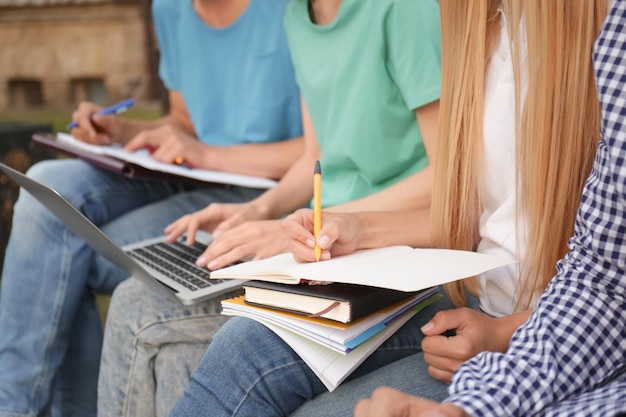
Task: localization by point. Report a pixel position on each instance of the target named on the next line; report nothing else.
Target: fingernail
(216, 233)
(325, 256)
(323, 241)
(310, 243)
(427, 327)
(212, 265)
(201, 261)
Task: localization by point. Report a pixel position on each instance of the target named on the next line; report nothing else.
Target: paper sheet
(331, 367)
(396, 267)
(144, 159)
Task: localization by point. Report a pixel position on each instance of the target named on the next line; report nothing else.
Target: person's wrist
(360, 231)
(209, 156)
(258, 210)
(122, 130)
(452, 410)
(501, 335)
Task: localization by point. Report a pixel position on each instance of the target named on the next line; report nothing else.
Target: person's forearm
(505, 328)
(178, 117)
(407, 227)
(269, 160)
(413, 192)
(294, 191)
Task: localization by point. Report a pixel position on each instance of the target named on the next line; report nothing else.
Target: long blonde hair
(557, 126)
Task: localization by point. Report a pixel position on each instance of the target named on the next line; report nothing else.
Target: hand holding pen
(117, 108)
(91, 125)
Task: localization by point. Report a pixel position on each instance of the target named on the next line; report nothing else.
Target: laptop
(169, 268)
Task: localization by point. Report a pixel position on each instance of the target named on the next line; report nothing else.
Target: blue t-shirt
(237, 82)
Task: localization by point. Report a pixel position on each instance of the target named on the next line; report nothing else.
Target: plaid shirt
(569, 359)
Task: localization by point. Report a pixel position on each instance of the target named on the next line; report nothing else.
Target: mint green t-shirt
(362, 77)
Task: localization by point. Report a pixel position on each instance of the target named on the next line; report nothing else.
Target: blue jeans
(151, 346)
(248, 371)
(409, 375)
(50, 332)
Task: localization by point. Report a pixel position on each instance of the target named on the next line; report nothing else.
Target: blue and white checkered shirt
(569, 359)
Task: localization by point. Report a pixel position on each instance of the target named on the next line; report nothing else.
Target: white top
(497, 222)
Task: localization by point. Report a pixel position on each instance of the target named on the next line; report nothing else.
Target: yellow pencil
(317, 207)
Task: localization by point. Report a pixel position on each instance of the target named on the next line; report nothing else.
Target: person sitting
(493, 168)
(234, 106)
(380, 161)
(568, 359)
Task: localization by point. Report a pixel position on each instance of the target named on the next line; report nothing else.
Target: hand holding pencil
(317, 207)
(309, 240)
(339, 235)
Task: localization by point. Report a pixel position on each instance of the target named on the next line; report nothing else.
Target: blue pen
(120, 107)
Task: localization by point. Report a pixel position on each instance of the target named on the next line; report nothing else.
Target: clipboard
(141, 167)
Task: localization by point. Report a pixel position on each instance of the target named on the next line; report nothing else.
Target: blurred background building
(56, 53)
(59, 52)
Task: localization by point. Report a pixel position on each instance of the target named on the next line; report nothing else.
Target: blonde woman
(504, 185)
(565, 370)
(531, 214)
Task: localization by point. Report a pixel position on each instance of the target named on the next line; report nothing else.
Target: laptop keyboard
(177, 261)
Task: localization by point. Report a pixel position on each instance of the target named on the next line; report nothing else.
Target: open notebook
(167, 267)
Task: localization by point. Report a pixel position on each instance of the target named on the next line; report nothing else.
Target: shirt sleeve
(605, 401)
(572, 349)
(414, 50)
(574, 341)
(165, 15)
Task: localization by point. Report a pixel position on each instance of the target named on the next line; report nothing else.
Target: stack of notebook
(360, 319)
(368, 296)
(339, 316)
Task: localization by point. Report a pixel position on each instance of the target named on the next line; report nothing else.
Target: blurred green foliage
(59, 118)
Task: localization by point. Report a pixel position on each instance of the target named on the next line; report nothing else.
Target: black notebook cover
(363, 300)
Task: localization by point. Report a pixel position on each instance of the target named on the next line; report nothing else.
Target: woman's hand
(94, 128)
(250, 240)
(339, 234)
(474, 333)
(387, 402)
(214, 218)
(236, 233)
